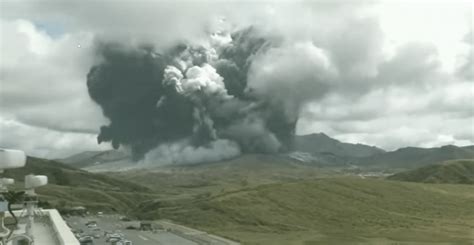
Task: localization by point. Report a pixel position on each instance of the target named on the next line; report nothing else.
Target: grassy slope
(331, 211)
(90, 158)
(245, 171)
(454, 172)
(412, 157)
(69, 186)
(94, 199)
(323, 143)
(289, 210)
(62, 174)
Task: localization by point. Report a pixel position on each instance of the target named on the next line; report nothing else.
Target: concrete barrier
(62, 234)
(61, 230)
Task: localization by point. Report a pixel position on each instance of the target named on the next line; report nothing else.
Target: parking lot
(113, 224)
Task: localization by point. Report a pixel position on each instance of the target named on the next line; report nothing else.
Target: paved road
(112, 223)
(200, 237)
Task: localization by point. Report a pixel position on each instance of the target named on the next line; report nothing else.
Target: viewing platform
(49, 228)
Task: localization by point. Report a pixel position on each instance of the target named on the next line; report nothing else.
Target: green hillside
(263, 199)
(413, 157)
(321, 143)
(331, 211)
(91, 158)
(65, 175)
(241, 172)
(62, 197)
(454, 172)
(69, 187)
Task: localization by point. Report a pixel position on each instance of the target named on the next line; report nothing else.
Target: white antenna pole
(4, 232)
(8, 159)
(30, 209)
(31, 182)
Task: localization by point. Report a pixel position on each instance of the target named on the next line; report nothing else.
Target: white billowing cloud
(397, 116)
(161, 23)
(182, 152)
(294, 73)
(442, 23)
(465, 64)
(417, 96)
(41, 142)
(204, 79)
(43, 92)
(43, 80)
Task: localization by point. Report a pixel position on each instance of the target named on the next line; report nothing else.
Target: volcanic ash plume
(192, 104)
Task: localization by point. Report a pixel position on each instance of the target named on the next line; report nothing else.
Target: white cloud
(443, 23)
(43, 80)
(43, 92)
(396, 64)
(393, 117)
(182, 153)
(294, 73)
(43, 142)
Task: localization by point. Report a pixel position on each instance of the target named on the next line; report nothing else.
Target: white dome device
(34, 181)
(7, 181)
(11, 159)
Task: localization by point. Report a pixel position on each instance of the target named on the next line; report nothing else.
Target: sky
(403, 69)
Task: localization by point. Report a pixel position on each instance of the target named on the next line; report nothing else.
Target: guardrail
(62, 232)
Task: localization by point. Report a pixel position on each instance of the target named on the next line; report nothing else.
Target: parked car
(125, 218)
(123, 242)
(92, 226)
(113, 239)
(86, 240)
(91, 223)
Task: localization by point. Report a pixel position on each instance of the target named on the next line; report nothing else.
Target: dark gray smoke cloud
(195, 96)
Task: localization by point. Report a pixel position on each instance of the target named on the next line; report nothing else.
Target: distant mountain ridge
(321, 143)
(309, 149)
(412, 157)
(91, 158)
(451, 172)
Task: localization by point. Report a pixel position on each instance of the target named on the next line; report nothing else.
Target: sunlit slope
(321, 143)
(454, 172)
(413, 157)
(69, 187)
(331, 211)
(65, 175)
(63, 197)
(92, 158)
(244, 171)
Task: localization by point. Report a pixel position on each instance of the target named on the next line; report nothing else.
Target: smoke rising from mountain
(249, 89)
(182, 152)
(389, 77)
(219, 100)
